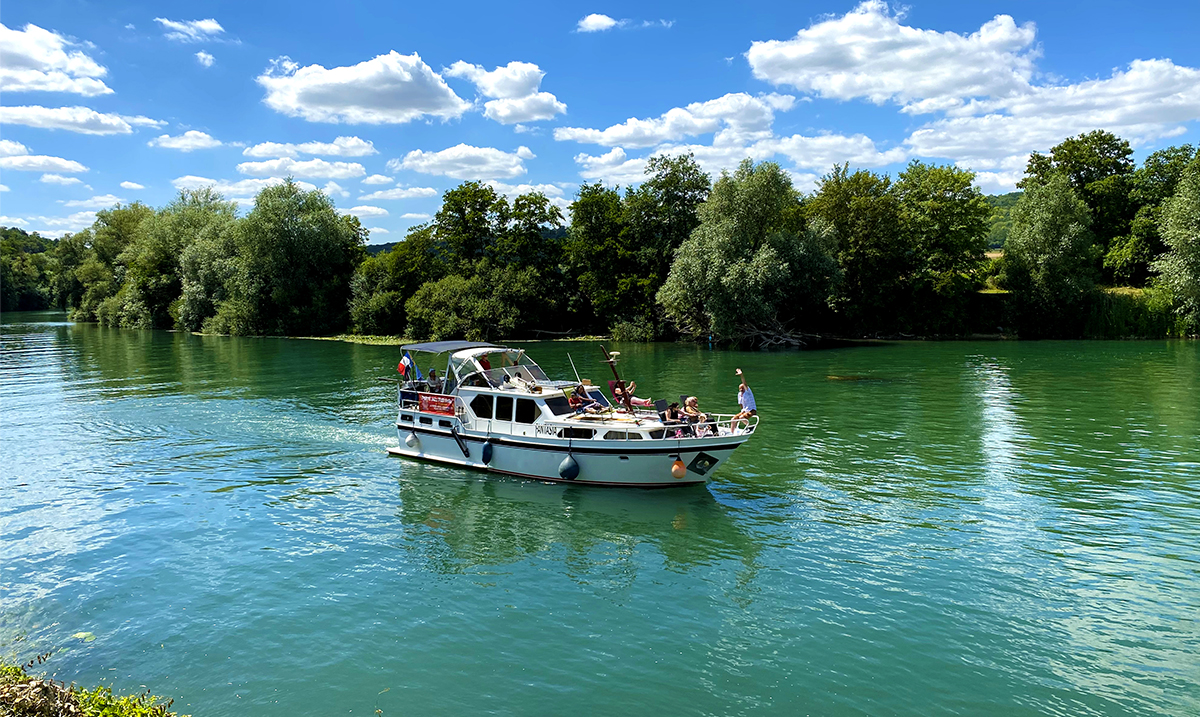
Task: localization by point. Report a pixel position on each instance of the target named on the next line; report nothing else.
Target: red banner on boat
(435, 403)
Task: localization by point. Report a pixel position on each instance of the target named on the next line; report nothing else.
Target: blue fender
(569, 468)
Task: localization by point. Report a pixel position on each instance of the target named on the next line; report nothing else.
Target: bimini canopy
(437, 347)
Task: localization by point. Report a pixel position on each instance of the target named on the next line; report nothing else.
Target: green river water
(944, 528)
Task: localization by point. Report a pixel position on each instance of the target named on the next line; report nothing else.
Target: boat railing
(718, 424)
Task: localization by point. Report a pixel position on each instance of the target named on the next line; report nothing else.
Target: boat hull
(645, 464)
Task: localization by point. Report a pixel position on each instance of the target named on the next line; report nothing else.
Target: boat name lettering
(544, 430)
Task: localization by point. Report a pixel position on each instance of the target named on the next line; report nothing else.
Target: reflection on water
(995, 528)
(482, 522)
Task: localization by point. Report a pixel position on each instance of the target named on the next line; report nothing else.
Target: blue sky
(387, 105)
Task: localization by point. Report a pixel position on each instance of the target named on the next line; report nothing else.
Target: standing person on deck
(745, 399)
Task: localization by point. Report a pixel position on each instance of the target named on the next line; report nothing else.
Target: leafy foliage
(1049, 259)
(1180, 229)
(750, 265)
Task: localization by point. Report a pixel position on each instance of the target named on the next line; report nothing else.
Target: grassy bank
(24, 694)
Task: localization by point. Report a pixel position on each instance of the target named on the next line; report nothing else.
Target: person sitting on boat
(436, 385)
(694, 416)
(582, 402)
(633, 400)
(673, 418)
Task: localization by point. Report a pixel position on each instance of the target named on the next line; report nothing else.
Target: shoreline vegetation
(24, 694)
(1091, 246)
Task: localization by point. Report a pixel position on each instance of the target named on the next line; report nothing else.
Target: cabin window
(445, 424)
(558, 405)
(406, 417)
(656, 434)
(426, 421)
(622, 435)
(527, 410)
(481, 406)
(578, 433)
(599, 397)
(504, 405)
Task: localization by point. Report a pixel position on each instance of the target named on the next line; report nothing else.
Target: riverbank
(24, 694)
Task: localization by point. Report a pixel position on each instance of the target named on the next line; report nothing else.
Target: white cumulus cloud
(868, 53)
(41, 163)
(83, 120)
(205, 58)
(309, 169)
(339, 147)
(60, 180)
(416, 216)
(377, 179)
(389, 89)
(334, 189)
(735, 117)
(400, 193)
(131, 185)
(4, 188)
(9, 148)
(366, 211)
(464, 161)
(378, 230)
(189, 141)
(515, 91)
(103, 201)
(614, 167)
(190, 30)
(36, 59)
(596, 22)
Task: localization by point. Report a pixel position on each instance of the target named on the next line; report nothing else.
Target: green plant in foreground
(22, 694)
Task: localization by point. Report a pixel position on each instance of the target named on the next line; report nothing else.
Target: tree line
(746, 258)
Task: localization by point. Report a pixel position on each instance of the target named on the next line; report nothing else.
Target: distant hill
(999, 222)
(377, 249)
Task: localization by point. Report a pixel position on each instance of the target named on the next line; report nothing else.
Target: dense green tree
(1180, 227)
(27, 269)
(874, 255)
(601, 259)
(944, 217)
(149, 296)
(492, 303)
(746, 269)
(383, 283)
(1099, 166)
(1000, 219)
(296, 255)
(1049, 259)
(101, 273)
(620, 248)
(1129, 257)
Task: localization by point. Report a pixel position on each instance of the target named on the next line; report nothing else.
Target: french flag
(407, 365)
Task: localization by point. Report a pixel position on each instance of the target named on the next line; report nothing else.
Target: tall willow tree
(1049, 259)
(296, 255)
(751, 266)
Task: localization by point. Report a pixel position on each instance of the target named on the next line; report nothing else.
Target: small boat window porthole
(657, 433)
(445, 424)
(426, 421)
(406, 417)
(624, 458)
(578, 433)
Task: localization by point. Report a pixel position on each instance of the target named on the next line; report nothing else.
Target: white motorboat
(494, 409)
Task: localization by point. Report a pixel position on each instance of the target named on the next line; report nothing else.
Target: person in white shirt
(745, 399)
